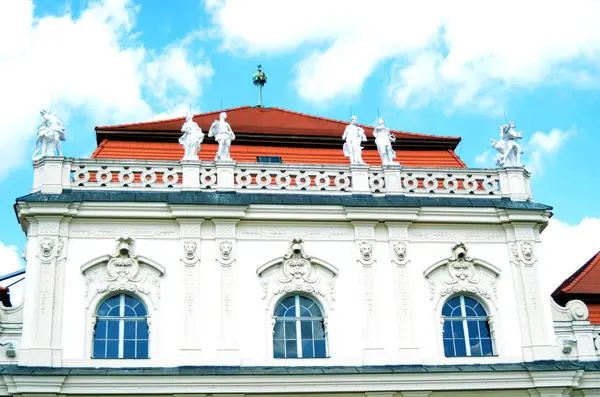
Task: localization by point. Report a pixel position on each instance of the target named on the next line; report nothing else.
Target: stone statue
(191, 139)
(50, 132)
(509, 149)
(223, 134)
(354, 135)
(384, 139)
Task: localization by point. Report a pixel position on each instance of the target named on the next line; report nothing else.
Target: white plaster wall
(260, 242)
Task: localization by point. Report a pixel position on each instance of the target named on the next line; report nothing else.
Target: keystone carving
(462, 273)
(399, 248)
(297, 271)
(189, 249)
(122, 271)
(47, 248)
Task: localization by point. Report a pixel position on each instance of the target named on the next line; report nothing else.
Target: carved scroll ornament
(461, 273)
(296, 271)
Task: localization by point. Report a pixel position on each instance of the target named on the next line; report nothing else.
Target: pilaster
(364, 237)
(360, 178)
(190, 243)
(225, 175)
(393, 179)
(190, 174)
(226, 252)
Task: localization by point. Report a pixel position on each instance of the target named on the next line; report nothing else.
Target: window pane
(318, 329)
(480, 310)
(114, 311)
(304, 312)
(473, 328)
(320, 349)
(291, 349)
(450, 305)
(129, 349)
(142, 329)
(305, 302)
(307, 332)
(475, 347)
(104, 309)
(470, 312)
(459, 346)
(278, 331)
(129, 312)
(100, 331)
(142, 349)
(447, 329)
(484, 329)
(130, 329)
(113, 329)
(112, 349)
(457, 328)
(99, 349)
(140, 309)
(470, 302)
(448, 347)
(486, 347)
(278, 348)
(290, 330)
(307, 349)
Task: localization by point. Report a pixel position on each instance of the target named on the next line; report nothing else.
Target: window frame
(465, 319)
(298, 319)
(121, 318)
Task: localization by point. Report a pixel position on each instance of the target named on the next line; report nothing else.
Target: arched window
(299, 329)
(466, 328)
(121, 329)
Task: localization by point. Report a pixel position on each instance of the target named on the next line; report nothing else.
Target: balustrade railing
(53, 174)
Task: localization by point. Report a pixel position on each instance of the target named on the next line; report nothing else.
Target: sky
(456, 68)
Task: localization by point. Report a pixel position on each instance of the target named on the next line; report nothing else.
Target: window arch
(121, 329)
(299, 329)
(466, 330)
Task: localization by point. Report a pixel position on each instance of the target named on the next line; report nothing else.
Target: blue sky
(430, 68)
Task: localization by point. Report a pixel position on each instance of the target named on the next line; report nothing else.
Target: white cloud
(565, 248)
(544, 146)
(483, 159)
(463, 55)
(91, 64)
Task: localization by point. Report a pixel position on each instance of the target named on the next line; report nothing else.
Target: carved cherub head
(366, 250)
(527, 250)
(226, 248)
(189, 248)
(46, 247)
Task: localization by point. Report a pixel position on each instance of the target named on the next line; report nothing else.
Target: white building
(286, 271)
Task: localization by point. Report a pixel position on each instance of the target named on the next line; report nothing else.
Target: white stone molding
(189, 237)
(225, 256)
(575, 335)
(296, 271)
(461, 273)
(123, 272)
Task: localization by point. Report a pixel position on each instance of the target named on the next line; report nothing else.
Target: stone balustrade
(54, 174)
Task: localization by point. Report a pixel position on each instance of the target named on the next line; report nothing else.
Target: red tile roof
(296, 137)
(262, 120)
(586, 280)
(117, 149)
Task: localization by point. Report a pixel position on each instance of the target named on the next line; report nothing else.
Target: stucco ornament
(50, 132)
(122, 271)
(226, 249)
(297, 271)
(577, 310)
(47, 248)
(366, 250)
(527, 251)
(508, 147)
(191, 139)
(223, 134)
(189, 249)
(399, 250)
(384, 139)
(354, 136)
(461, 273)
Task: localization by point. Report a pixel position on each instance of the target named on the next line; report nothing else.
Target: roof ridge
(576, 277)
(171, 119)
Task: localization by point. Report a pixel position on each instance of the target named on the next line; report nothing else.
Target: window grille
(121, 329)
(269, 159)
(299, 329)
(466, 330)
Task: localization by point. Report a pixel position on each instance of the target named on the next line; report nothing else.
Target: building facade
(286, 271)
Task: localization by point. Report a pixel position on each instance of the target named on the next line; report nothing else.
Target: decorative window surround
(54, 174)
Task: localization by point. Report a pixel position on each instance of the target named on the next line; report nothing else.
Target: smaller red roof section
(586, 280)
(262, 120)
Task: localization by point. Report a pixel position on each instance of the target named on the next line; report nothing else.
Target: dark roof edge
(558, 291)
(244, 199)
(308, 370)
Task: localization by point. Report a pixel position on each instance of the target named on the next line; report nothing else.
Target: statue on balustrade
(508, 147)
(50, 132)
(223, 134)
(384, 139)
(354, 136)
(191, 139)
